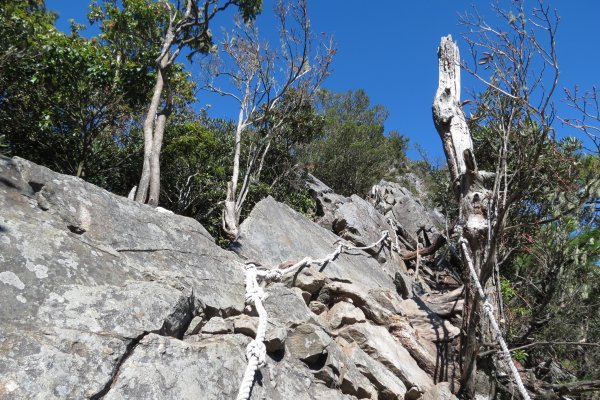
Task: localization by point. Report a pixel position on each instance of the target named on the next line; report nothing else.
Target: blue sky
(389, 49)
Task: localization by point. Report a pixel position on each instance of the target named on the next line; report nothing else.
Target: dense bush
(353, 152)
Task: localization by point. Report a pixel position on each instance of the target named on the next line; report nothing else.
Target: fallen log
(438, 242)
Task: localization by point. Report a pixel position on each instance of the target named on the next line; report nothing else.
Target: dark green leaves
(353, 152)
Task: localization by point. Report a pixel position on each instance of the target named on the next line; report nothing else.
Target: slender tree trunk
(149, 138)
(450, 122)
(79, 169)
(251, 175)
(231, 217)
(86, 148)
(154, 127)
(159, 130)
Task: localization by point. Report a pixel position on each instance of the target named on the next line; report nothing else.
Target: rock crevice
(129, 349)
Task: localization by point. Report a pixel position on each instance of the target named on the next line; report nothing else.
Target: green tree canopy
(66, 101)
(353, 152)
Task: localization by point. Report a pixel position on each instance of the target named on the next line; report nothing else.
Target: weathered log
(438, 242)
(448, 116)
(574, 388)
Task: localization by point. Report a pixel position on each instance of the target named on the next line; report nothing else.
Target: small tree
(176, 26)
(353, 153)
(261, 76)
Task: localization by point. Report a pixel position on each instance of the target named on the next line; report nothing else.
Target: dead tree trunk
(450, 122)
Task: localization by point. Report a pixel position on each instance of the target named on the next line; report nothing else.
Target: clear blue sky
(389, 49)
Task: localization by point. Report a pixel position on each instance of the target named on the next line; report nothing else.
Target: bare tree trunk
(149, 139)
(154, 126)
(450, 122)
(159, 130)
(231, 218)
(256, 70)
(230, 215)
(448, 116)
(79, 169)
(131, 195)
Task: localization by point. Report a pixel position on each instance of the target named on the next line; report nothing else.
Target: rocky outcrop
(357, 297)
(351, 218)
(274, 235)
(89, 279)
(327, 201)
(104, 298)
(413, 220)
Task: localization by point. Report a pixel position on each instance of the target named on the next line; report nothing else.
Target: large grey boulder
(308, 343)
(327, 201)
(54, 363)
(358, 222)
(351, 218)
(165, 368)
(344, 313)
(84, 275)
(274, 234)
(387, 383)
(98, 293)
(381, 346)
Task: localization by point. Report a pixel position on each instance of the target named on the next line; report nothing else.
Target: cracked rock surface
(105, 298)
(76, 302)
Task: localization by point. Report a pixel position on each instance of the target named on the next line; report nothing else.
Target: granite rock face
(274, 234)
(104, 298)
(358, 222)
(86, 275)
(395, 201)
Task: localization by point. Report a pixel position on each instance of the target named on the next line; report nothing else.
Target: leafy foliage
(548, 252)
(66, 102)
(353, 152)
(159, 32)
(132, 31)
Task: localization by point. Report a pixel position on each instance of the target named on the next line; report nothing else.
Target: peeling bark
(448, 116)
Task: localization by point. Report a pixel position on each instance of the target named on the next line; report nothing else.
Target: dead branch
(438, 242)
